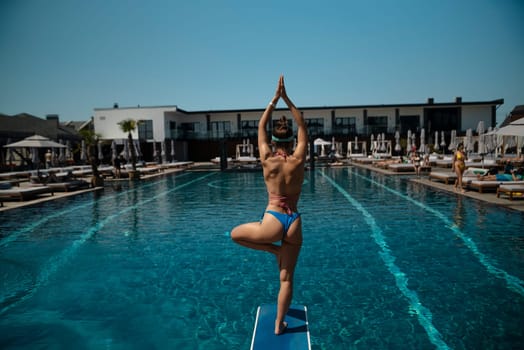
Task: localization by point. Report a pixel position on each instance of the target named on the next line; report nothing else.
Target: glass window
(315, 126)
(345, 125)
(377, 124)
(220, 129)
(172, 129)
(249, 128)
(189, 130)
(145, 129)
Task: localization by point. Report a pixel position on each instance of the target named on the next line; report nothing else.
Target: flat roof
(396, 105)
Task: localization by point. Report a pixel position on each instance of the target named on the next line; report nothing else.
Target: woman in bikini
(283, 171)
(458, 166)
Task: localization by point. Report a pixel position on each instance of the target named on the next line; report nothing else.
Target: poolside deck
(11, 204)
(490, 197)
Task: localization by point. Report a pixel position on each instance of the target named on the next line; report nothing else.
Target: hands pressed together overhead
(281, 91)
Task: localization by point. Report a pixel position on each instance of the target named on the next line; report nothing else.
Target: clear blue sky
(71, 56)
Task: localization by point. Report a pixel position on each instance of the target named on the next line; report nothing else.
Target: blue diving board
(295, 337)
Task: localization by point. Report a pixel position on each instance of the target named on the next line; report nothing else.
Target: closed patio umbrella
(435, 143)
(469, 141)
(114, 153)
(422, 148)
(453, 141)
(68, 154)
(100, 154)
(163, 151)
(61, 155)
(83, 151)
(172, 150)
(442, 140)
(398, 148)
(155, 155)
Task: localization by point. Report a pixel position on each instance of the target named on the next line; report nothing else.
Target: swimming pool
(386, 264)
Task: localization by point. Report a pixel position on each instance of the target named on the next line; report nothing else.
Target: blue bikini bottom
(285, 219)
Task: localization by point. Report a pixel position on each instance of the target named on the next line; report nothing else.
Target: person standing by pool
(283, 172)
(458, 166)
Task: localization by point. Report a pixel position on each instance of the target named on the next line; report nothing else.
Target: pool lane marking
(513, 283)
(13, 236)
(56, 262)
(423, 313)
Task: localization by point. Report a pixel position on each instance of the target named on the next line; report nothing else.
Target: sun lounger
(67, 186)
(444, 163)
(407, 167)
(23, 194)
(511, 190)
(445, 177)
(483, 185)
(401, 167)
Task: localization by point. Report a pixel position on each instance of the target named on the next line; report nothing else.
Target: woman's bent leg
(257, 236)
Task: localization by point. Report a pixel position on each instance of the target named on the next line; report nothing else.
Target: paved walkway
(489, 197)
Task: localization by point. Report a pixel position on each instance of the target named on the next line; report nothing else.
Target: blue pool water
(386, 264)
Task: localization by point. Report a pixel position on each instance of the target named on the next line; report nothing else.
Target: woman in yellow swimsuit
(458, 166)
(283, 171)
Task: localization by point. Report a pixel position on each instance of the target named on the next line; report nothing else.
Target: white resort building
(197, 135)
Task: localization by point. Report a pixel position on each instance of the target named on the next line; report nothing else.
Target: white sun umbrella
(383, 143)
(172, 150)
(480, 127)
(356, 143)
(453, 141)
(414, 140)
(435, 143)
(333, 145)
(398, 148)
(155, 155)
(482, 144)
(442, 140)
(408, 141)
(10, 155)
(482, 138)
(469, 141)
(163, 151)
(422, 148)
(68, 154)
(372, 144)
(113, 150)
(100, 153)
(61, 155)
(83, 151)
(34, 155)
(490, 140)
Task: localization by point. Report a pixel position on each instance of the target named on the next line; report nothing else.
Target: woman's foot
(281, 328)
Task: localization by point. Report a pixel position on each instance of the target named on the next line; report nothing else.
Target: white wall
(106, 121)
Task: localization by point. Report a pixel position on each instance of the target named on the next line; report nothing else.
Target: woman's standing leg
(287, 261)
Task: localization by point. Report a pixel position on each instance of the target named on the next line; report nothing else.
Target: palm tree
(91, 138)
(128, 126)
